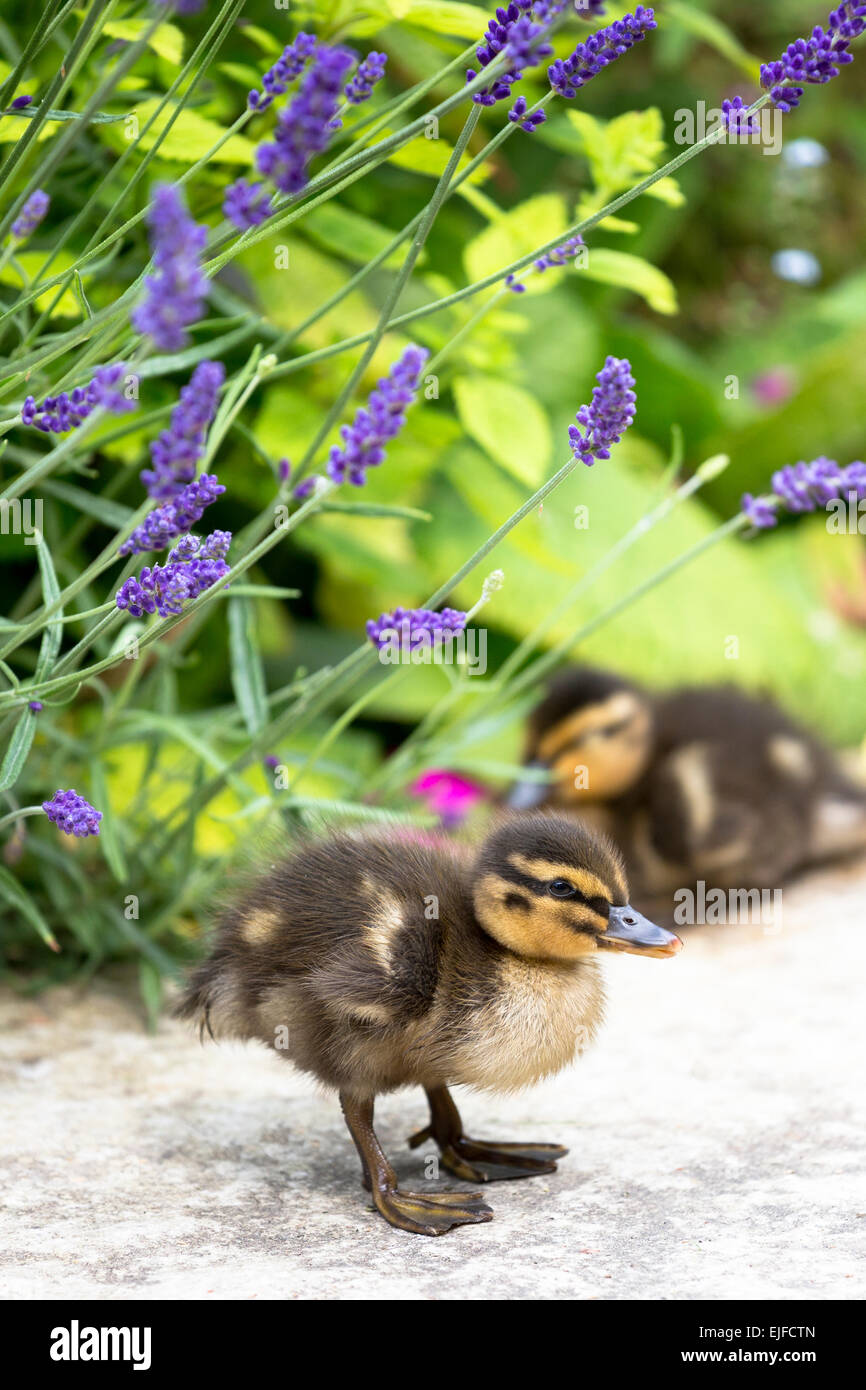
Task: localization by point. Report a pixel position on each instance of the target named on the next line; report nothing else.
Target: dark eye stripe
(538, 888)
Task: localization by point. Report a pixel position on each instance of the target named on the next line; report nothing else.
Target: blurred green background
(744, 350)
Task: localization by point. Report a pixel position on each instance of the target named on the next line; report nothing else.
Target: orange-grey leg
(425, 1214)
(478, 1160)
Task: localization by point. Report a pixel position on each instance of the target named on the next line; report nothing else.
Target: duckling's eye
(561, 888)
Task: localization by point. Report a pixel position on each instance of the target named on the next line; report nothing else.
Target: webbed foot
(430, 1214)
(479, 1160)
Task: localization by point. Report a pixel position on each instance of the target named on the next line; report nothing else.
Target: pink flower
(774, 386)
(447, 794)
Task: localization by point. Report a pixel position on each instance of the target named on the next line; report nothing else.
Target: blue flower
(520, 31)
(176, 453)
(164, 524)
(175, 295)
(414, 626)
(608, 416)
(383, 418)
(191, 567)
(72, 814)
(292, 61)
(31, 214)
(369, 72)
(57, 414)
(305, 126)
(803, 487)
(814, 60)
(518, 115)
(568, 75)
(247, 204)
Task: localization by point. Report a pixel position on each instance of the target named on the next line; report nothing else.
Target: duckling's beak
(628, 931)
(529, 791)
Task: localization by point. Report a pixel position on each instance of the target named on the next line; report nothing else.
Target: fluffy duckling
(380, 960)
(704, 783)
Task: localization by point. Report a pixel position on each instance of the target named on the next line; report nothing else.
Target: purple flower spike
(247, 204)
(804, 487)
(58, 414)
(35, 706)
(520, 31)
(173, 519)
(560, 255)
(72, 814)
(369, 72)
(735, 119)
(307, 487)
(568, 75)
(31, 214)
(284, 470)
(177, 451)
(608, 416)
(381, 420)
(175, 295)
(21, 102)
(759, 510)
(305, 126)
(815, 60)
(415, 627)
(292, 61)
(518, 115)
(191, 567)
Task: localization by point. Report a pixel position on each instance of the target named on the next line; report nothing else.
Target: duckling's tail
(196, 1002)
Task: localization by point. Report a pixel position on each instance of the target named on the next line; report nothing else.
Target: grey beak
(627, 930)
(529, 791)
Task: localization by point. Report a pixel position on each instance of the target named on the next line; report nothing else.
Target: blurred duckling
(375, 961)
(704, 783)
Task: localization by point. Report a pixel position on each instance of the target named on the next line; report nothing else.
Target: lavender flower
(803, 487)
(31, 214)
(292, 61)
(735, 119)
(307, 487)
(381, 420)
(815, 60)
(191, 567)
(57, 414)
(247, 204)
(568, 75)
(35, 706)
(415, 627)
(177, 451)
(304, 127)
(519, 31)
(370, 71)
(164, 524)
(518, 115)
(284, 470)
(175, 295)
(608, 416)
(183, 6)
(21, 102)
(72, 814)
(560, 255)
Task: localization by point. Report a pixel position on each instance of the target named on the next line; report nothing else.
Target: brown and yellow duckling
(699, 784)
(376, 961)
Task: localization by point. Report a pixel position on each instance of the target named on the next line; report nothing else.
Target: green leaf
(191, 137)
(633, 273)
(31, 262)
(109, 840)
(166, 39)
(714, 32)
(12, 891)
(620, 153)
(53, 634)
(439, 16)
(423, 156)
(248, 677)
(516, 233)
(508, 422)
(19, 746)
(349, 235)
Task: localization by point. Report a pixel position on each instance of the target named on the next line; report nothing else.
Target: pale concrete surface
(716, 1134)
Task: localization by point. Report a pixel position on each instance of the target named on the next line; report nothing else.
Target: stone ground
(716, 1135)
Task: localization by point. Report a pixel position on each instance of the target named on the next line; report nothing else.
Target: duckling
(704, 783)
(375, 961)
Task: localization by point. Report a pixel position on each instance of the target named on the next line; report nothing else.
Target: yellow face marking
(546, 932)
(545, 870)
(381, 928)
(576, 726)
(260, 926)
